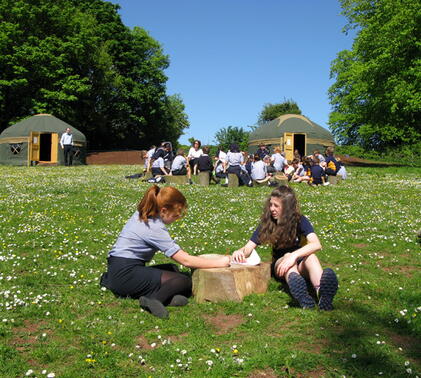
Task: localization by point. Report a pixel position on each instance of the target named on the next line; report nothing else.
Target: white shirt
(222, 156)
(258, 170)
(234, 158)
(195, 154)
(66, 139)
(178, 163)
(158, 163)
(278, 161)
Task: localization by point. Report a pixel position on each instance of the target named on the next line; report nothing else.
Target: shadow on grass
(353, 343)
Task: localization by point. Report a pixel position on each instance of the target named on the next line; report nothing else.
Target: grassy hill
(57, 225)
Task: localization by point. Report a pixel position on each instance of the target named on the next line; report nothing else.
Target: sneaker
(178, 300)
(328, 289)
(224, 185)
(298, 288)
(272, 183)
(154, 306)
(326, 183)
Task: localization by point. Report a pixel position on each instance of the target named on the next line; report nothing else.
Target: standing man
(66, 143)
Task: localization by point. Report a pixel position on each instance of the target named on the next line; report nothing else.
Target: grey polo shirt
(139, 240)
(178, 163)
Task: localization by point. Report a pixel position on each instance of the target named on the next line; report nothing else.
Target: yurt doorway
(43, 147)
(292, 142)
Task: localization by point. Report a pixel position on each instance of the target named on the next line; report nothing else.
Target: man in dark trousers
(66, 143)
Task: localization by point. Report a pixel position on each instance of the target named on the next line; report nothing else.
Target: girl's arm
(241, 254)
(290, 259)
(190, 261)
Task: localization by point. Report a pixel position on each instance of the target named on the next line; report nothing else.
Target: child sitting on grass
(284, 228)
(143, 235)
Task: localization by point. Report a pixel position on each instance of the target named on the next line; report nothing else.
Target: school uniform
(127, 275)
(234, 161)
(304, 228)
(258, 170)
(194, 156)
(156, 167)
(179, 166)
(317, 174)
(279, 162)
(332, 166)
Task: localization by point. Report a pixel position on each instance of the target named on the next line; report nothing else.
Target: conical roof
(41, 123)
(293, 123)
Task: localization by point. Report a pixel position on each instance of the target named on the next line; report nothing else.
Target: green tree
(376, 96)
(229, 135)
(77, 60)
(272, 111)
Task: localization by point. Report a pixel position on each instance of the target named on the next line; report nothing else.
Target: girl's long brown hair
(280, 233)
(156, 198)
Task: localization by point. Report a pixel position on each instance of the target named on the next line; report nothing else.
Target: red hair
(156, 198)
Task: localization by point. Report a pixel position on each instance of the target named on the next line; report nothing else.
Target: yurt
(291, 132)
(36, 140)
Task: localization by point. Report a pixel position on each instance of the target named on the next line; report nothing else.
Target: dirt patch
(407, 343)
(406, 271)
(28, 334)
(267, 373)
(177, 338)
(224, 323)
(360, 245)
(114, 157)
(143, 343)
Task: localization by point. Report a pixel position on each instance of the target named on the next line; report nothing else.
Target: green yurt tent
(291, 132)
(36, 140)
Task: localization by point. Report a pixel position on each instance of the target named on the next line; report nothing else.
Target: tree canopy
(272, 111)
(76, 60)
(376, 96)
(232, 134)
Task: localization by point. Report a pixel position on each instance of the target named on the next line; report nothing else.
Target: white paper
(253, 259)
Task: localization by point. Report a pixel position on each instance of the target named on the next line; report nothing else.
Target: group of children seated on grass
(261, 167)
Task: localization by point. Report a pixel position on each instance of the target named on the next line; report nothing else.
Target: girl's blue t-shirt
(304, 228)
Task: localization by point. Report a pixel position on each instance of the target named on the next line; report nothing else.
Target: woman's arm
(241, 254)
(190, 261)
(290, 259)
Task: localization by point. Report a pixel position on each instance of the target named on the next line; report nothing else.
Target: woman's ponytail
(156, 198)
(148, 206)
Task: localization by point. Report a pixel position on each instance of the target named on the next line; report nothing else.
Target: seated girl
(144, 234)
(282, 226)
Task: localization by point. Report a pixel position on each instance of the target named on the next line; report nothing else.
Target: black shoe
(224, 185)
(273, 183)
(298, 288)
(154, 306)
(328, 289)
(178, 300)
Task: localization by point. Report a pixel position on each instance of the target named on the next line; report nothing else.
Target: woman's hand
(285, 263)
(238, 256)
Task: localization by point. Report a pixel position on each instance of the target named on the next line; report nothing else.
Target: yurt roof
(294, 123)
(41, 123)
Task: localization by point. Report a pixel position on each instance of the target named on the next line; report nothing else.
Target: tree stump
(204, 178)
(147, 175)
(281, 179)
(334, 180)
(233, 180)
(170, 179)
(230, 284)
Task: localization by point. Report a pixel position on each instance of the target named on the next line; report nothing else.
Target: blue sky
(228, 58)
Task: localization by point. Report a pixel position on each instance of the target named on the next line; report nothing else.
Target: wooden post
(147, 175)
(230, 284)
(170, 179)
(232, 180)
(281, 178)
(334, 180)
(204, 178)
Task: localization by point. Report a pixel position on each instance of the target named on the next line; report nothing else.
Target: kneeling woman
(282, 227)
(143, 235)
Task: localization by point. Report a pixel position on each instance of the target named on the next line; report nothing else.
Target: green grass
(57, 225)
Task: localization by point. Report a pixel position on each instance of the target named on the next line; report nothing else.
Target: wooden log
(281, 178)
(230, 284)
(204, 178)
(257, 183)
(334, 180)
(147, 175)
(232, 180)
(182, 179)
